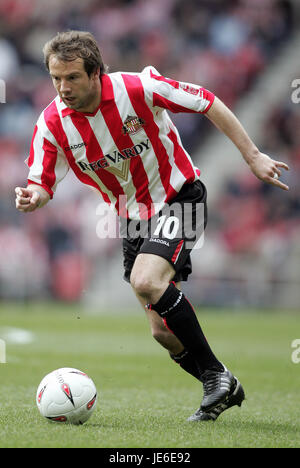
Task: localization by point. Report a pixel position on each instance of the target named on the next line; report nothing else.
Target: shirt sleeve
(175, 96)
(46, 162)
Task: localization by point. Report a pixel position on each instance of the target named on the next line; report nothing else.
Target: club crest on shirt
(132, 125)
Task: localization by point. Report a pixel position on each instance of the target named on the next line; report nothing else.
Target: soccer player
(114, 132)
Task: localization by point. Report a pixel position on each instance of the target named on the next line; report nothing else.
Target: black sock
(180, 318)
(187, 362)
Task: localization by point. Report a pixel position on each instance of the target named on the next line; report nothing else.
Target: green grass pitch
(145, 398)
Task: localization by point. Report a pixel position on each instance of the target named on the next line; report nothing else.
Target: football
(66, 395)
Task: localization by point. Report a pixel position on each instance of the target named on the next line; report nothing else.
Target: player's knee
(145, 285)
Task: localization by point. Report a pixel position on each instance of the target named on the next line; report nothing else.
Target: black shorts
(172, 233)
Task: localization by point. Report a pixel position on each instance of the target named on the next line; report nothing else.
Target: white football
(66, 395)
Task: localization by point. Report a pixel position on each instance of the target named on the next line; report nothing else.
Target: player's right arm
(47, 167)
(30, 198)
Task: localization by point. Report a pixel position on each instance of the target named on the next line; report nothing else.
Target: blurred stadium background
(247, 52)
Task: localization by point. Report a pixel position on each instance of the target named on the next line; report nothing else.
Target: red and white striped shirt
(128, 149)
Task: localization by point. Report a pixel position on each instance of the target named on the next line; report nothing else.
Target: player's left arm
(264, 167)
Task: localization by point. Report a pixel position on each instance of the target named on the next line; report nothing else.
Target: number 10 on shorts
(181, 221)
(169, 227)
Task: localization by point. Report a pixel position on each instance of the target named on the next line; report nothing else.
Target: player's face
(72, 83)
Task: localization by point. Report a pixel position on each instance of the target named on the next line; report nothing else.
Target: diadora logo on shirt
(116, 162)
(74, 147)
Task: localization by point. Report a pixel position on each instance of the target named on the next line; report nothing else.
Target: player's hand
(27, 200)
(268, 170)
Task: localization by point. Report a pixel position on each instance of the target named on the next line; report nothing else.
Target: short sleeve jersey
(128, 148)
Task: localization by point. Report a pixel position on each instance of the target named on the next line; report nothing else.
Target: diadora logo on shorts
(110, 160)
